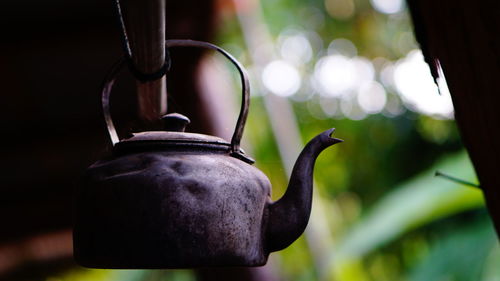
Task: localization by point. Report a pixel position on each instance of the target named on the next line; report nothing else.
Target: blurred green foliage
(387, 216)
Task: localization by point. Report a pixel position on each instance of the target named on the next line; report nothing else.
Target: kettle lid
(174, 138)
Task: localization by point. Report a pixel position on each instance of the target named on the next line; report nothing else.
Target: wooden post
(145, 26)
(462, 37)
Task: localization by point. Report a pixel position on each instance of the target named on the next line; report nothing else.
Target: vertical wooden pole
(145, 26)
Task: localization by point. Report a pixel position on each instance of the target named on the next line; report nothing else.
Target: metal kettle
(172, 199)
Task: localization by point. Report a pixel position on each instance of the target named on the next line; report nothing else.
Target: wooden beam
(144, 22)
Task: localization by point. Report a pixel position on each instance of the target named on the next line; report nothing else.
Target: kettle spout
(289, 215)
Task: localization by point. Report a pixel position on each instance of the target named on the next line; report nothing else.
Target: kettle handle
(245, 92)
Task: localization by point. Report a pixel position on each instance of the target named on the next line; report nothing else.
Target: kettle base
(151, 262)
(154, 210)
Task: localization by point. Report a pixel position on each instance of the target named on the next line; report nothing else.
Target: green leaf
(419, 201)
(458, 254)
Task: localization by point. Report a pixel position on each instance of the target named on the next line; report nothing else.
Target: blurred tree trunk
(464, 38)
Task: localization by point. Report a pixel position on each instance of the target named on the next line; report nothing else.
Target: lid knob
(175, 122)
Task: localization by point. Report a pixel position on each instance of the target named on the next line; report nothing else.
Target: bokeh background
(379, 212)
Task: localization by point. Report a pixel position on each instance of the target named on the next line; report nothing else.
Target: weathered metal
(170, 199)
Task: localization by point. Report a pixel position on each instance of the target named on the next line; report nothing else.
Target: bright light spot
(393, 107)
(281, 78)
(365, 71)
(379, 62)
(335, 75)
(340, 9)
(387, 75)
(296, 49)
(419, 92)
(372, 97)
(343, 47)
(330, 106)
(351, 110)
(387, 6)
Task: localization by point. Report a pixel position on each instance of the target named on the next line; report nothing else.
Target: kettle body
(172, 210)
(171, 199)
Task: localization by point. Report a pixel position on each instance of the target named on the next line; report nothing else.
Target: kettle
(172, 199)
